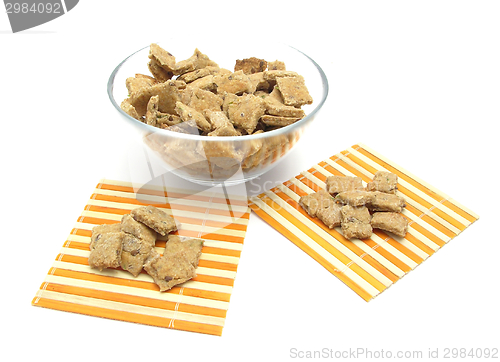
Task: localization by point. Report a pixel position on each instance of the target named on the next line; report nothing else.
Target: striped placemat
(367, 266)
(199, 305)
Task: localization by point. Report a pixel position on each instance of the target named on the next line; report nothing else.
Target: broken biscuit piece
(221, 124)
(228, 100)
(178, 263)
(139, 75)
(217, 119)
(129, 109)
(203, 72)
(168, 93)
(134, 254)
(139, 230)
(278, 121)
(259, 83)
(274, 106)
(275, 74)
(159, 73)
(225, 131)
(197, 61)
(201, 100)
(152, 111)
(250, 65)
(156, 219)
(276, 65)
(162, 57)
(165, 120)
(354, 197)
(294, 91)
(390, 221)
(190, 114)
(315, 201)
(374, 200)
(106, 251)
(98, 230)
(136, 83)
(236, 83)
(356, 222)
(338, 184)
(380, 201)
(187, 248)
(162, 269)
(330, 215)
(206, 83)
(384, 182)
(245, 111)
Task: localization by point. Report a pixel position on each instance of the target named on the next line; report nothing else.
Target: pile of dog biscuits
(197, 96)
(346, 203)
(130, 245)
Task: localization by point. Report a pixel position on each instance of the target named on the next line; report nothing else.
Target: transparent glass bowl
(215, 160)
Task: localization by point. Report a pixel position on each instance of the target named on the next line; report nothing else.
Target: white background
(418, 82)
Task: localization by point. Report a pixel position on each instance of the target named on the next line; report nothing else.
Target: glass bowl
(215, 160)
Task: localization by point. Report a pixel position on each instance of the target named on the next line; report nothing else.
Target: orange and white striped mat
(199, 305)
(367, 266)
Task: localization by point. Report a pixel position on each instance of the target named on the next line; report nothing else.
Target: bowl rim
(194, 137)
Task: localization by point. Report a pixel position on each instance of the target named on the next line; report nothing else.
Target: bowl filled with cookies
(224, 113)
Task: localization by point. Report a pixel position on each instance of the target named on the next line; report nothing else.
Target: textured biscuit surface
(156, 219)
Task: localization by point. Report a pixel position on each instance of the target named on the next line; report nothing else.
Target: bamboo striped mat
(367, 266)
(199, 305)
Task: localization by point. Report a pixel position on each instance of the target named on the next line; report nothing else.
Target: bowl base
(229, 182)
